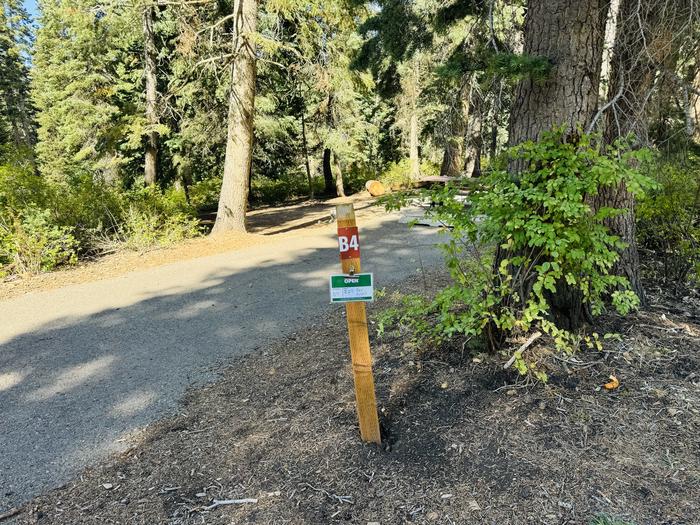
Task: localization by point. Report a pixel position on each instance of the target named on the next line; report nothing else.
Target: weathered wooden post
(349, 245)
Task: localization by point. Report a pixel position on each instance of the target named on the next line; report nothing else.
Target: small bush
(90, 206)
(397, 175)
(668, 222)
(355, 176)
(547, 235)
(204, 194)
(264, 190)
(33, 243)
(149, 219)
(142, 230)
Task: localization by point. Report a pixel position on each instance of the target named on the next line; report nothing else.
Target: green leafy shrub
(546, 233)
(150, 219)
(88, 205)
(397, 175)
(264, 190)
(668, 221)
(20, 187)
(204, 194)
(142, 230)
(34, 243)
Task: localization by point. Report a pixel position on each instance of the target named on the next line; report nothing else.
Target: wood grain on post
(359, 344)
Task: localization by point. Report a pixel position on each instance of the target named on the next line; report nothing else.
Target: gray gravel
(84, 368)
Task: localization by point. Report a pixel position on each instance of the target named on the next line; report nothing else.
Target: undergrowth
(45, 224)
(520, 240)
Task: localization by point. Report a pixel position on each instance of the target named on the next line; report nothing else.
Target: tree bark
(473, 144)
(306, 155)
(233, 200)
(413, 153)
(472, 158)
(452, 160)
(695, 101)
(328, 177)
(339, 187)
(150, 53)
(570, 35)
(643, 43)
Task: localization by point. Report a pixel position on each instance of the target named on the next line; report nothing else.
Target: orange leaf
(613, 384)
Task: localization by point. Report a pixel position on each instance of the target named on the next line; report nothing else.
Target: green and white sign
(351, 288)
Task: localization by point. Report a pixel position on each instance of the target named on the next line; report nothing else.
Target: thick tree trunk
(452, 160)
(643, 43)
(411, 85)
(328, 178)
(150, 53)
(339, 187)
(570, 35)
(493, 141)
(472, 160)
(233, 200)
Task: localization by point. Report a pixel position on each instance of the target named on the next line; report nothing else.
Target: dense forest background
(122, 123)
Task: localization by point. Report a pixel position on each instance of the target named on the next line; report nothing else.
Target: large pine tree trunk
(233, 201)
(452, 160)
(570, 35)
(412, 90)
(150, 53)
(473, 144)
(643, 43)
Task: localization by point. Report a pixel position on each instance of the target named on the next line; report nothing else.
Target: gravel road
(83, 368)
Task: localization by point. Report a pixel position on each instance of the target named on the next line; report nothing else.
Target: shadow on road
(77, 389)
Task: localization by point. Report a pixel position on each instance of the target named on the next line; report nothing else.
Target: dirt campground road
(86, 366)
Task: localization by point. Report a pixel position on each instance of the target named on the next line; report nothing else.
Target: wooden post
(357, 329)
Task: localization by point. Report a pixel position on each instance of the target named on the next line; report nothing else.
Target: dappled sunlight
(83, 365)
(73, 378)
(11, 379)
(112, 320)
(134, 403)
(192, 310)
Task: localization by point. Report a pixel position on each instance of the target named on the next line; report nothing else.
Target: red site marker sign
(349, 242)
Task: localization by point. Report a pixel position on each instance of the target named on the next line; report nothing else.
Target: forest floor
(266, 224)
(464, 440)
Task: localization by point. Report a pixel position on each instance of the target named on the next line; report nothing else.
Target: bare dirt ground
(464, 440)
(265, 224)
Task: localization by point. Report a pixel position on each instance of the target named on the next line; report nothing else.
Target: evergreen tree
(233, 200)
(86, 88)
(16, 112)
